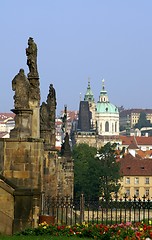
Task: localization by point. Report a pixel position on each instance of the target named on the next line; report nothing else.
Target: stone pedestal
(34, 105)
(22, 123)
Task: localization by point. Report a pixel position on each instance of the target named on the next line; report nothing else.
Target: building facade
(103, 117)
(131, 116)
(137, 177)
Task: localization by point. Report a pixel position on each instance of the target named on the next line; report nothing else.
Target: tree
(86, 171)
(110, 170)
(143, 122)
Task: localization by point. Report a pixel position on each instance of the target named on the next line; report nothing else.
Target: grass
(40, 238)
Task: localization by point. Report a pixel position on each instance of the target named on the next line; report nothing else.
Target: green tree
(110, 170)
(143, 122)
(86, 171)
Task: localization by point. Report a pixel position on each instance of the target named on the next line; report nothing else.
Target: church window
(107, 127)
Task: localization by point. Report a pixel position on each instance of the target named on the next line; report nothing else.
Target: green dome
(106, 107)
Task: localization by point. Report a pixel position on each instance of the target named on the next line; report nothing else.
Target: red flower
(138, 234)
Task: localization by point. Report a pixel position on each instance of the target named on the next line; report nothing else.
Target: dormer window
(106, 109)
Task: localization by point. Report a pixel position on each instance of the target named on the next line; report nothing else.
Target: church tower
(92, 106)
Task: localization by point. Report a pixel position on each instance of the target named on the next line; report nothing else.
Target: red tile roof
(4, 116)
(135, 166)
(127, 140)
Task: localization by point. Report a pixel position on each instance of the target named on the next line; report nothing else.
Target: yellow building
(137, 177)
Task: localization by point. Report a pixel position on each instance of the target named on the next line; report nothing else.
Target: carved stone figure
(51, 104)
(65, 149)
(20, 85)
(44, 116)
(31, 53)
(47, 118)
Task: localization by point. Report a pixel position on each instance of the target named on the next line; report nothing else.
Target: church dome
(103, 105)
(106, 107)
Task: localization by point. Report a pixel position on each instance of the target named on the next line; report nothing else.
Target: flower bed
(123, 231)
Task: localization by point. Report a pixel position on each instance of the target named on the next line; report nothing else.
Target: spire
(103, 87)
(103, 93)
(89, 95)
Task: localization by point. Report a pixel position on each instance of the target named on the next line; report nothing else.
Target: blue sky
(77, 39)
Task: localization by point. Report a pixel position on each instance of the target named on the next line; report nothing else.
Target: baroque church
(98, 123)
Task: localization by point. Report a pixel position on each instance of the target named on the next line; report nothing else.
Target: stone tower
(92, 105)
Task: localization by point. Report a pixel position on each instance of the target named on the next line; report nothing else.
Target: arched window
(106, 126)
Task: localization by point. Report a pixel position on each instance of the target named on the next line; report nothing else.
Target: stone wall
(21, 163)
(58, 175)
(6, 208)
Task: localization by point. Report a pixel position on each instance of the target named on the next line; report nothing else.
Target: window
(137, 192)
(147, 180)
(136, 180)
(127, 192)
(127, 180)
(106, 127)
(147, 192)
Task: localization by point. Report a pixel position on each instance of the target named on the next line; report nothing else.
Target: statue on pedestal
(31, 53)
(20, 85)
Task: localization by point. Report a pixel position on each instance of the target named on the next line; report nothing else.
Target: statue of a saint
(31, 53)
(51, 104)
(44, 116)
(66, 149)
(20, 85)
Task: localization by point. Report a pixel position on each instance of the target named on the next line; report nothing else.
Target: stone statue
(31, 53)
(65, 149)
(47, 119)
(44, 117)
(51, 104)
(20, 85)
(51, 99)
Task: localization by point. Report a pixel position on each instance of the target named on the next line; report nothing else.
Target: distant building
(98, 123)
(6, 124)
(132, 116)
(143, 143)
(137, 177)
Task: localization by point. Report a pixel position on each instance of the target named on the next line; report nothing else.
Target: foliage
(95, 173)
(123, 231)
(86, 171)
(110, 170)
(143, 122)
